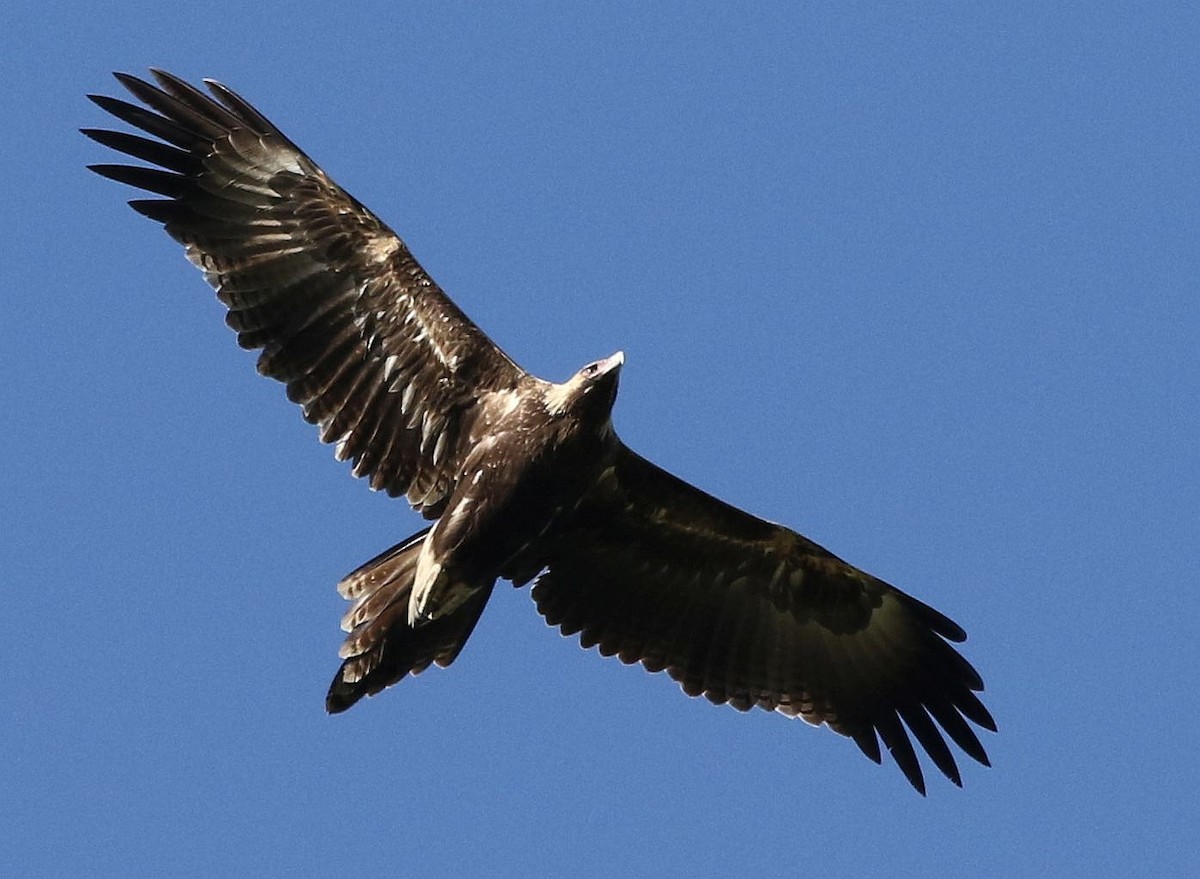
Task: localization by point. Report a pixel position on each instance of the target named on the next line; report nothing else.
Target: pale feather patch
(406, 400)
(432, 333)
(559, 396)
(381, 248)
(428, 572)
(439, 447)
(389, 367)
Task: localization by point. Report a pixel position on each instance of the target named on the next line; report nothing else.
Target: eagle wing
(376, 354)
(745, 612)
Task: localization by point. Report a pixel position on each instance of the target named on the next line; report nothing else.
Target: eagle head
(590, 393)
(600, 372)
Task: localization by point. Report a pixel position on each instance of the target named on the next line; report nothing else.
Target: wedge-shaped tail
(382, 647)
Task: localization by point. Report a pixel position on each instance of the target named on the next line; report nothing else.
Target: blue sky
(918, 282)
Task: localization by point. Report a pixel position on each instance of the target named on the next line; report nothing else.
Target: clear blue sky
(920, 283)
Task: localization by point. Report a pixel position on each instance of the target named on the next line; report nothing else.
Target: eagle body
(522, 479)
(531, 458)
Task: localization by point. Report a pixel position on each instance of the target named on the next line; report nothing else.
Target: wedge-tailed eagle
(523, 479)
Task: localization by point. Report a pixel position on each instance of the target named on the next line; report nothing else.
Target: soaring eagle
(523, 479)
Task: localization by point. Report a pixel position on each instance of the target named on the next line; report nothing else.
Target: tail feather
(376, 584)
(382, 648)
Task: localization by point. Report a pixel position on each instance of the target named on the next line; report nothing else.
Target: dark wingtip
(128, 80)
(868, 744)
(938, 621)
(106, 170)
(919, 784)
(115, 106)
(974, 710)
(161, 210)
(917, 780)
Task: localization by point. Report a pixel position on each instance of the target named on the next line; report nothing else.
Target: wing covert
(377, 355)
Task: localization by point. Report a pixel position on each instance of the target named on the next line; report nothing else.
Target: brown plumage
(524, 479)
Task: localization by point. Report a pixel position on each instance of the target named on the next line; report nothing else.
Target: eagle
(522, 479)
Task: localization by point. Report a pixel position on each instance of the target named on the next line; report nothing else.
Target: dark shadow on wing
(742, 611)
(368, 345)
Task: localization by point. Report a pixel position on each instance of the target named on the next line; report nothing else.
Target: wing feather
(366, 342)
(746, 612)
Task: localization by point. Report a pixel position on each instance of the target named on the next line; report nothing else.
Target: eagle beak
(614, 362)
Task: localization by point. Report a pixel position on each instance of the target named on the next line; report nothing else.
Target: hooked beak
(614, 362)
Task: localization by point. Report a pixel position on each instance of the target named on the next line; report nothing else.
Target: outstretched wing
(377, 355)
(750, 613)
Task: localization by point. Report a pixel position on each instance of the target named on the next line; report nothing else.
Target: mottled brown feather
(342, 312)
